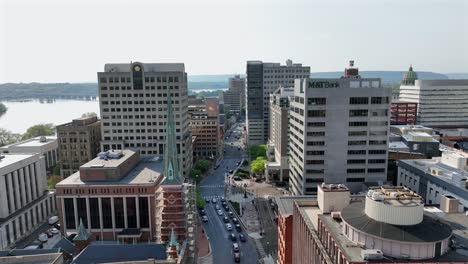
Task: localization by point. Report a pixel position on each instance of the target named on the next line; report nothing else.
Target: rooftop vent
(42, 139)
(372, 254)
(2, 157)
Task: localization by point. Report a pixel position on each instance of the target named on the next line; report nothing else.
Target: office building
(262, 80)
(403, 113)
(338, 132)
(437, 177)
(46, 146)
(133, 104)
(277, 168)
(25, 201)
(234, 97)
(78, 143)
(205, 126)
(441, 103)
(387, 224)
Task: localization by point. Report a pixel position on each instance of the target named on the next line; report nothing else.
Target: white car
(219, 212)
(43, 237)
(54, 231)
(204, 218)
(229, 227)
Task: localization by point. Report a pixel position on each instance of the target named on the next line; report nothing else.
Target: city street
(213, 186)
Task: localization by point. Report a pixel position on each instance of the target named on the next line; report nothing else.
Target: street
(213, 186)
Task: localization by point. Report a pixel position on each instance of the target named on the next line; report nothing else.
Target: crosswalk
(213, 196)
(212, 186)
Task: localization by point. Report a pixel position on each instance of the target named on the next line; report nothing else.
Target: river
(23, 114)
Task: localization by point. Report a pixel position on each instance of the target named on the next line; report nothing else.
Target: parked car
(238, 228)
(233, 237)
(217, 207)
(226, 208)
(202, 212)
(237, 178)
(242, 238)
(214, 200)
(235, 247)
(237, 257)
(43, 237)
(54, 231)
(223, 200)
(49, 234)
(226, 219)
(219, 212)
(231, 214)
(235, 221)
(207, 200)
(205, 218)
(231, 171)
(53, 219)
(228, 227)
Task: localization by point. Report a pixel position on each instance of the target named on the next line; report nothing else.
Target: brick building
(403, 113)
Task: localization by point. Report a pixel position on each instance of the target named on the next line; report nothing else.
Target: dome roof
(410, 77)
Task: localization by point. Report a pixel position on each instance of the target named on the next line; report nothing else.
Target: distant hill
(212, 77)
(457, 75)
(387, 76)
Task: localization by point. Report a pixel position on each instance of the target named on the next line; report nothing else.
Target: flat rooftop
(148, 170)
(109, 162)
(398, 145)
(33, 142)
(147, 67)
(286, 203)
(9, 159)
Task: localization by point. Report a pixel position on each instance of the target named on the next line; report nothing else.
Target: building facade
(205, 126)
(78, 143)
(234, 97)
(277, 167)
(25, 201)
(133, 104)
(46, 146)
(338, 133)
(262, 80)
(441, 103)
(403, 113)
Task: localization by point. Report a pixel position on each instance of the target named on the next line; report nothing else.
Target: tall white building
(441, 103)
(25, 202)
(133, 104)
(234, 97)
(338, 132)
(262, 80)
(47, 146)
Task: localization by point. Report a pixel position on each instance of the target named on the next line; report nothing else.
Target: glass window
(69, 213)
(131, 212)
(94, 211)
(106, 212)
(119, 213)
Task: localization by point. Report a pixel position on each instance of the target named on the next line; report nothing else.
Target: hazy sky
(71, 40)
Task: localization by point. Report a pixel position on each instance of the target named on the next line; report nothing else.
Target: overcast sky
(69, 41)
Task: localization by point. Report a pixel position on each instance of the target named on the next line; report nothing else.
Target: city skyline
(388, 35)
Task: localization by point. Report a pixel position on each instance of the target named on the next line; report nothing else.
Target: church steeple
(172, 170)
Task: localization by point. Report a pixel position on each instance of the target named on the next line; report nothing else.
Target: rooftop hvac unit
(372, 254)
(377, 196)
(42, 139)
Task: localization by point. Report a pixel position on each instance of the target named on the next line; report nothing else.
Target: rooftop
(9, 159)
(110, 159)
(149, 170)
(33, 142)
(419, 137)
(147, 67)
(286, 203)
(108, 253)
(398, 145)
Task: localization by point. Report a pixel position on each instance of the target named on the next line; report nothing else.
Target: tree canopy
(202, 165)
(257, 151)
(257, 166)
(39, 130)
(89, 114)
(7, 137)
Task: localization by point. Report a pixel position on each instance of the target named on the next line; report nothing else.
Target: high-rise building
(25, 201)
(262, 80)
(78, 143)
(133, 104)
(277, 168)
(338, 132)
(46, 146)
(441, 103)
(234, 97)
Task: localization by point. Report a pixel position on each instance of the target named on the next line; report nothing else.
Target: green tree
(258, 166)
(256, 151)
(89, 114)
(200, 201)
(53, 180)
(3, 109)
(56, 170)
(202, 165)
(195, 174)
(39, 130)
(7, 137)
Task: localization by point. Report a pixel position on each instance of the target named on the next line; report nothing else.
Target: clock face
(136, 68)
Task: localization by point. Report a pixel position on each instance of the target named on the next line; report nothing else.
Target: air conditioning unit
(372, 254)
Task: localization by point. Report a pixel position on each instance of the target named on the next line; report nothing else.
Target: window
(315, 162)
(377, 161)
(357, 133)
(316, 124)
(357, 161)
(357, 152)
(82, 210)
(94, 211)
(356, 170)
(314, 180)
(316, 113)
(106, 212)
(355, 113)
(119, 213)
(311, 189)
(316, 101)
(316, 153)
(315, 143)
(358, 100)
(69, 213)
(377, 142)
(377, 151)
(143, 210)
(315, 171)
(131, 212)
(380, 112)
(378, 123)
(378, 133)
(355, 179)
(316, 134)
(358, 142)
(379, 100)
(354, 124)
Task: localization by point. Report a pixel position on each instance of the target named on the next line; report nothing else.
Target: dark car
(231, 214)
(226, 219)
(226, 208)
(238, 228)
(237, 257)
(231, 171)
(202, 212)
(223, 200)
(233, 237)
(71, 237)
(242, 238)
(207, 200)
(237, 178)
(235, 221)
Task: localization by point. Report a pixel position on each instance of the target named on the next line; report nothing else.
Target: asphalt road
(213, 186)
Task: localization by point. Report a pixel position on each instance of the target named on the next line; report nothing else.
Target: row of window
(147, 79)
(369, 170)
(364, 142)
(365, 100)
(371, 152)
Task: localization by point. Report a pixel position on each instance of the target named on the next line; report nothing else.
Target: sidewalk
(204, 249)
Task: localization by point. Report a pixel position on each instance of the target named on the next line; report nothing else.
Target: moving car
(235, 247)
(223, 200)
(54, 231)
(237, 257)
(228, 227)
(214, 200)
(231, 214)
(226, 219)
(204, 218)
(238, 228)
(219, 212)
(242, 238)
(53, 219)
(207, 200)
(226, 208)
(235, 221)
(217, 207)
(233, 237)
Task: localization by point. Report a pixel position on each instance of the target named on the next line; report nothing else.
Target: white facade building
(46, 146)
(441, 103)
(437, 177)
(25, 202)
(133, 105)
(338, 133)
(262, 80)
(234, 97)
